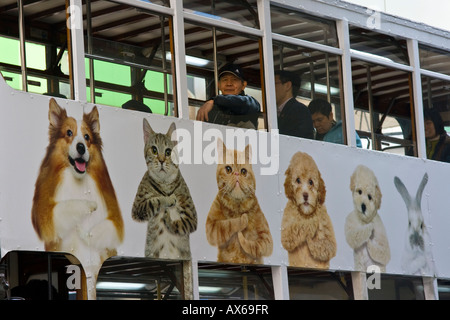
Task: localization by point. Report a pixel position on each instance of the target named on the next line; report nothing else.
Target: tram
(75, 154)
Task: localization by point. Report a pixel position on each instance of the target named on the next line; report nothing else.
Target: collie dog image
(364, 229)
(75, 209)
(306, 229)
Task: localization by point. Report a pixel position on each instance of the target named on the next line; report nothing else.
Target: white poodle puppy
(364, 230)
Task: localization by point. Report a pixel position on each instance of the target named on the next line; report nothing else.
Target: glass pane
(140, 279)
(319, 285)
(369, 42)
(231, 48)
(128, 51)
(10, 53)
(443, 289)
(320, 77)
(434, 59)
(235, 282)
(302, 26)
(42, 276)
(240, 12)
(436, 94)
(396, 287)
(45, 45)
(383, 108)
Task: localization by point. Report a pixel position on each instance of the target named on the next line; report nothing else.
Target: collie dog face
(76, 141)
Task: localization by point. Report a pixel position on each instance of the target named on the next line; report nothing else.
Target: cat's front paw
(171, 200)
(244, 221)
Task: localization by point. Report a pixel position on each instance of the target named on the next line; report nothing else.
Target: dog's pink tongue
(81, 166)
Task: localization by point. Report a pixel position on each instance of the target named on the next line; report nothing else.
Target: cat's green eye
(168, 152)
(154, 150)
(228, 168)
(244, 172)
(297, 180)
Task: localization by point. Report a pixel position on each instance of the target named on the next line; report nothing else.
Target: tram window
(372, 43)
(382, 96)
(241, 12)
(319, 285)
(302, 26)
(230, 48)
(234, 282)
(319, 72)
(125, 48)
(383, 108)
(434, 59)
(396, 287)
(436, 95)
(43, 276)
(443, 289)
(45, 43)
(123, 278)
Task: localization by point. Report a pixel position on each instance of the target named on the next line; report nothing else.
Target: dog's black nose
(81, 148)
(363, 207)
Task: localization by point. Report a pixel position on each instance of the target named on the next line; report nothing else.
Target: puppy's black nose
(363, 207)
(305, 196)
(81, 148)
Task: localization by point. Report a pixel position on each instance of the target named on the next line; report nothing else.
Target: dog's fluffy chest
(78, 188)
(85, 193)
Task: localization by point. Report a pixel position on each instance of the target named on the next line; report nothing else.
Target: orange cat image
(235, 222)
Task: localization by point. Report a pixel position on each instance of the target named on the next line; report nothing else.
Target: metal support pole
(23, 59)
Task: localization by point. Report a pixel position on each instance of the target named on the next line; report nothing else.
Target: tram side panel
(314, 224)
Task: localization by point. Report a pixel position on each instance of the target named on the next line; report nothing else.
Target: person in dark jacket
(232, 107)
(437, 139)
(294, 118)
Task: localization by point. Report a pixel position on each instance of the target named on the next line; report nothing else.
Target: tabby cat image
(163, 199)
(235, 222)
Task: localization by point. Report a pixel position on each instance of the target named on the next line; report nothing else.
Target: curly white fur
(364, 229)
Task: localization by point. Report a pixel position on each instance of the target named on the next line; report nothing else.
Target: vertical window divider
(23, 56)
(413, 52)
(267, 47)
(344, 45)
(75, 23)
(182, 102)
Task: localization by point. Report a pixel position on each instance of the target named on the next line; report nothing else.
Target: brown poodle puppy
(306, 229)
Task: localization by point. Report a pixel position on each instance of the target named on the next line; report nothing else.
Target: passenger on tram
(232, 107)
(294, 118)
(437, 139)
(327, 129)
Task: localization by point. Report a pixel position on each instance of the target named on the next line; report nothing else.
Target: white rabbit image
(417, 257)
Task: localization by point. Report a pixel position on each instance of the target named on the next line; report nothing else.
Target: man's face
(430, 130)
(321, 122)
(283, 91)
(230, 84)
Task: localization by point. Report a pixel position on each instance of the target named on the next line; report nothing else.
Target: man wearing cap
(232, 107)
(294, 118)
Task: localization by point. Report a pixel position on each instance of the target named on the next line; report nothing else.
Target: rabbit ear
(402, 190)
(422, 185)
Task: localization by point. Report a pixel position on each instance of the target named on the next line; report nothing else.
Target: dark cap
(233, 69)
